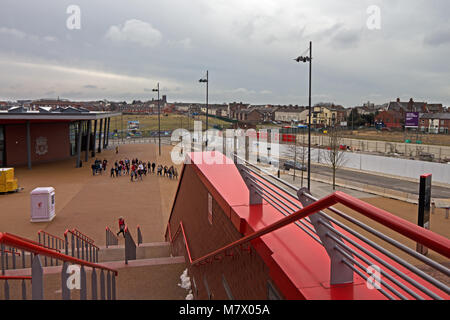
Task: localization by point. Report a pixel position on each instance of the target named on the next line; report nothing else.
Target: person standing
(140, 170)
(153, 167)
(133, 171)
(112, 172)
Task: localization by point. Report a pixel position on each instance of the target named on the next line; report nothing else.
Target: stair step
(144, 251)
(144, 279)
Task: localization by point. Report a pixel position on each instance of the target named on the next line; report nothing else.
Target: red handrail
(8, 251)
(112, 233)
(428, 238)
(180, 229)
(30, 246)
(423, 236)
(82, 235)
(74, 232)
(39, 244)
(15, 278)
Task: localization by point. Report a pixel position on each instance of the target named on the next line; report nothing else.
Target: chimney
(411, 104)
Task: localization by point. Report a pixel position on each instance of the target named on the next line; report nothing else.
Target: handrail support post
(340, 273)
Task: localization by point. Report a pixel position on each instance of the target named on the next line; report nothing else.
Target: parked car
(290, 165)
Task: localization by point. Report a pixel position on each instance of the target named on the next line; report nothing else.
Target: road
(380, 181)
(362, 177)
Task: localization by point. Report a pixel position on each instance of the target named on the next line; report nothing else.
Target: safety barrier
(107, 286)
(50, 241)
(82, 245)
(139, 235)
(180, 230)
(350, 252)
(6, 286)
(130, 246)
(111, 238)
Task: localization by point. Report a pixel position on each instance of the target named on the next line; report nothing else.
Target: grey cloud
(251, 48)
(437, 38)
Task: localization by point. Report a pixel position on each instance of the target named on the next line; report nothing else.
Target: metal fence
(35, 251)
(350, 251)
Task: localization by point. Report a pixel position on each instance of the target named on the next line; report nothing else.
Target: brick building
(212, 210)
(45, 135)
(390, 118)
(435, 122)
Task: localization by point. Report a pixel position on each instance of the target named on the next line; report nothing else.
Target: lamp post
(159, 120)
(206, 80)
(308, 59)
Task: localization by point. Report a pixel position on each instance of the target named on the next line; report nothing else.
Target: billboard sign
(412, 119)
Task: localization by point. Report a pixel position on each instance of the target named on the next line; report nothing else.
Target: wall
(391, 166)
(54, 146)
(246, 274)
(408, 149)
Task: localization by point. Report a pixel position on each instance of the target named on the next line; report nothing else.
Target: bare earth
(90, 203)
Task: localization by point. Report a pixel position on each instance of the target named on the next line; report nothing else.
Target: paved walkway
(90, 203)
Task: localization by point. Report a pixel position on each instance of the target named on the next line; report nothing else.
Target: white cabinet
(42, 204)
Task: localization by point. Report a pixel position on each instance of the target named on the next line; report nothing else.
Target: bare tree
(300, 152)
(334, 156)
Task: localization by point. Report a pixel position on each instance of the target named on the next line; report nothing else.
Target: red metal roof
(298, 264)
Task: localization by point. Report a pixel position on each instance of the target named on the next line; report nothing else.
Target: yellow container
(7, 181)
(11, 185)
(6, 174)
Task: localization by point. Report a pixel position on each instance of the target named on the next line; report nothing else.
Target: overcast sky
(124, 47)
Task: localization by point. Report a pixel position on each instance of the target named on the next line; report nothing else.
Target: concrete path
(90, 203)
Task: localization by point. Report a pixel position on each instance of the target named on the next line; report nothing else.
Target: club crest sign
(41, 146)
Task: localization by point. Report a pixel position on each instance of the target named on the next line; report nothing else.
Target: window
(73, 132)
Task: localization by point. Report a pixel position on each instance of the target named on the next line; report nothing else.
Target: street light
(304, 60)
(206, 80)
(159, 120)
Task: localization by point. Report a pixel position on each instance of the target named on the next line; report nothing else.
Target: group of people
(136, 169)
(171, 172)
(99, 166)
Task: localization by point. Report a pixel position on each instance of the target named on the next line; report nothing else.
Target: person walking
(121, 226)
(112, 172)
(153, 167)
